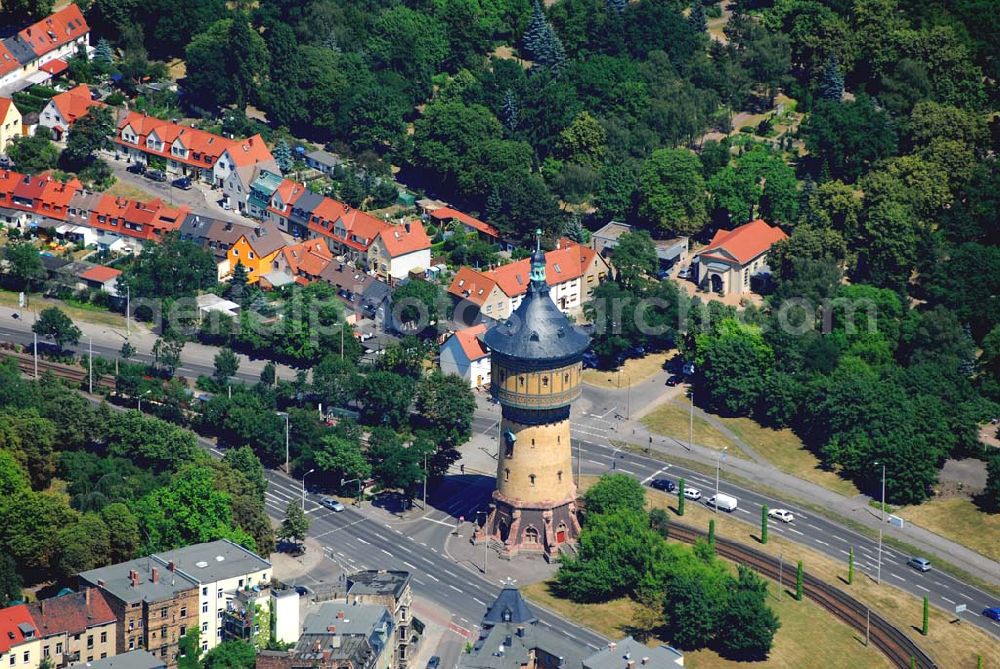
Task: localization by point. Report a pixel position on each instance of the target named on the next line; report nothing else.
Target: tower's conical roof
(537, 330)
(509, 607)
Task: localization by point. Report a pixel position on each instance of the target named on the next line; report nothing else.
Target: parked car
(723, 501)
(302, 590)
(184, 183)
(688, 369)
(684, 273)
(434, 662)
(332, 504)
(692, 494)
(919, 563)
(636, 351)
(784, 515)
(136, 168)
(675, 379)
(156, 175)
(666, 485)
(589, 359)
(992, 612)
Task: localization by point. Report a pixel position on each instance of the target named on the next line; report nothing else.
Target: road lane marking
(363, 541)
(820, 541)
(409, 565)
(844, 552)
(839, 538)
(386, 552)
(950, 601)
(922, 587)
(792, 529)
(454, 588)
(625, 471)
(479, 601)
(899, 577)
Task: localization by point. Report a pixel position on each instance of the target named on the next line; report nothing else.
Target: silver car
(919, 563)
(692, 493)
(332, 504)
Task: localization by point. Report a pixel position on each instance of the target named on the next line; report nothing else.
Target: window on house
(204, 591)
(204, 607)
(45, 651)
(103, 655)
(559, 476)
(27, 656)
(241, 582)
(104, 637)
(183, 630)
(545, 381)
(131, 644)
(90, 641)
(90, 658)
(204, 627)
(218, 593)
(506, 475)
(163, 612)
(184, 612)
(13, 659)
(531, 479)
(59, 648)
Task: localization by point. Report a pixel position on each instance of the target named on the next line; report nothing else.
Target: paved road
(816, 532)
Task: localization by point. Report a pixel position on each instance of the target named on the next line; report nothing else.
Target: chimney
(100, 583)
(630, 664)
(612, 645)
(520, 630)
(86, 597)
(407, 226)
(133, 576)
(331, 629)
(171, 566)
(155, 578)
(340, 615)
(645, 661)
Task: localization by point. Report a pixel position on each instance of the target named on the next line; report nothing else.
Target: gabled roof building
(729, 261)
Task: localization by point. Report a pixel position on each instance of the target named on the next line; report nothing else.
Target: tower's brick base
(535, 528)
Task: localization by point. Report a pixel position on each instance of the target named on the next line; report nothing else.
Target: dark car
(992, 612)
(590, 359)
(156, 175)
(184, 183)
(434, 662)
(303, 590)
(666, 485)
(136, 168)
(675, 379)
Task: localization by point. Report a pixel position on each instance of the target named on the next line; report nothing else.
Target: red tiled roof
(569, 261)
(100, 274)
(469, 339)
(7, 61)
(445, 214)
(357, 224)
(399, 240)
(55, 30)
(310, 257)
(288, 191)
(55, 67)
(48, 196)
(249, 151)
(72, 613)
(206, 145)
(10, 634)
(743, 243)
(142, 220)
(5, 104)
(471, 285)
(75, 103)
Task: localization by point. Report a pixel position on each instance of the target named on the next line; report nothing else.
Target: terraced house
(75, 627)
(187, 151)
(66, 108)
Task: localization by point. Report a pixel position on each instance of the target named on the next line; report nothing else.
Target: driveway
(201, 199)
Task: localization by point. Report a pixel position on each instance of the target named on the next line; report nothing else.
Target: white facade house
(465, 355)
(399, 249)
(221, 568)
(285, 609)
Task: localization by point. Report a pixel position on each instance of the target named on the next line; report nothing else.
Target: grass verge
(952, 645)
(673, 420)
(961, 521)
(89, 313)
(128, 191)
(784, 450)
(632, 372)
(853, 525)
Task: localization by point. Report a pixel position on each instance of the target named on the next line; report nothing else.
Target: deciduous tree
(672, 191)
(54, 324)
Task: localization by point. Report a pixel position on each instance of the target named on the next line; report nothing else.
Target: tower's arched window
(559, 474)
(506, 475)
(520, 379)
(532, 442)
(531, 535)
(545, 380)
(566, 377)
(531, 477)
(558, 438)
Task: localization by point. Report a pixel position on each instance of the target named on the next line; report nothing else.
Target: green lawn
(809, 636)
(784, 450)
(632, 371)
(89, 313)
(961, 521)
(672, 420)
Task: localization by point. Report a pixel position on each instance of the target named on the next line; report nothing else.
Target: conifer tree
(534, 34)
(510, 110)
(831, 84)
(283, 156)
(697, 18)
(103, 52)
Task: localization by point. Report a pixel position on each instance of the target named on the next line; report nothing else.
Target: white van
(723, 501)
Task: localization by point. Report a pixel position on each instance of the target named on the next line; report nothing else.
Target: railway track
(75, 375)
(897, 646)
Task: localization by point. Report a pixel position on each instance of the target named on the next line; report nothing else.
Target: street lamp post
(304, 487)
(878, 577)
(691, 421)
(284, 414)
(614, 458)
(140, 399)
(128, 310)
(344, 482)
(425, 482)
(90, 366)
(718, 466)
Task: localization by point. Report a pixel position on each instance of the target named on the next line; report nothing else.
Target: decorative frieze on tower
(536, 357)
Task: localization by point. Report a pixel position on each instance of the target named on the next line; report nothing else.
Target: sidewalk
(854, 508)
